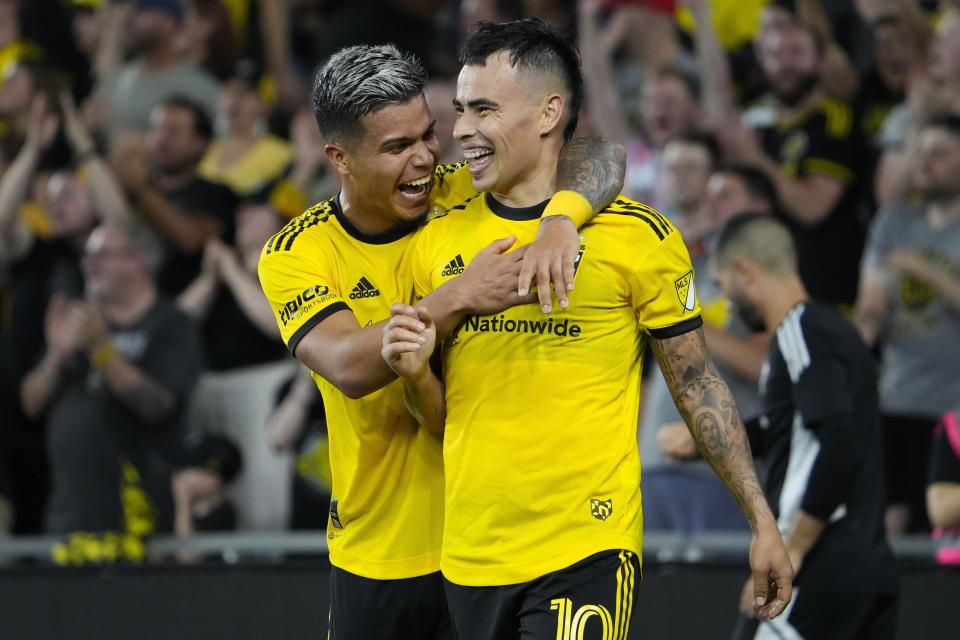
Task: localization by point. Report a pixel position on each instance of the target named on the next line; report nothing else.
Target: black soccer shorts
(406, 609)
(592, 599)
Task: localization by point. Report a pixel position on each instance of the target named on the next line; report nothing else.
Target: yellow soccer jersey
(540, 447)
(386, 515)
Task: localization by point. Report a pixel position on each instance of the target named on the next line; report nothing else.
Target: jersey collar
(391, 235)
(515, 213)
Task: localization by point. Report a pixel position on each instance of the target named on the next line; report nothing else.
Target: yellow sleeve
(415, 265)
(663, 291)
(301, 286)
(452, 185)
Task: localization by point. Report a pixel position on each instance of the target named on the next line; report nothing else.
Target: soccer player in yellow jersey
(543, 520)
(331, 275)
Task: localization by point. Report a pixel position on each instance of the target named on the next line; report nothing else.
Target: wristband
(103, 355)
(570, 204)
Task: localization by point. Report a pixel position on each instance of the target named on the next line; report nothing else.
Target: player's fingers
(395, 349)
(760, 593)
(410, 323)
(398, 308)
(543, 288)
(568, 273)
(784, 593)
(500, 245)
(424, 314)
(559, 282)
(526, 275)
(403, 335)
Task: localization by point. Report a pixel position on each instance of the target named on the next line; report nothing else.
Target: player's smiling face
(497, 123)
(389, 167)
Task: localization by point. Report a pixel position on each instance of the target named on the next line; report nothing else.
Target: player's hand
(409, 339)
(549, 260)
(490, 280)
(772, 573)
(674, 440)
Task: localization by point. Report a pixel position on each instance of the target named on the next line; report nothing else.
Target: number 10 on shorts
(571, 624)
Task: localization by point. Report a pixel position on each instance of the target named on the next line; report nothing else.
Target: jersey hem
(465, 576)
(386, 570)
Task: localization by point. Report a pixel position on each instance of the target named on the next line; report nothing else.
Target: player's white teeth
(419, 182)
(473, 154)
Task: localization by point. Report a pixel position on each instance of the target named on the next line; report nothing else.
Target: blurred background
(197, 478)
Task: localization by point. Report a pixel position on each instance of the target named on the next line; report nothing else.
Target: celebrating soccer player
(543, 520)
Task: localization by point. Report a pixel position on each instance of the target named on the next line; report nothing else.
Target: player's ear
(338, 157)
(552, 115)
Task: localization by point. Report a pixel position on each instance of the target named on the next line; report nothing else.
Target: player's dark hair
(360, 80)
(534, 45)
(202, 125)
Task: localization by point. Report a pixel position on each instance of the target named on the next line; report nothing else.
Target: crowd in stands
(149, 148)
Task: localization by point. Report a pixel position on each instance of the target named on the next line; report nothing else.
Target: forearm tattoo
(708, 408)
(594, 168)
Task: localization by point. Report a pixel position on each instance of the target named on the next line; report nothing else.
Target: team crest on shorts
(601, 509)
(686, 291)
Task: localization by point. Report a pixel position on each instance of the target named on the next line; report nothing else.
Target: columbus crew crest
(601, 509)
(686, 291)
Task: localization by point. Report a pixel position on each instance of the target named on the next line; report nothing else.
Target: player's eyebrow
(406, 140)
(476, 103)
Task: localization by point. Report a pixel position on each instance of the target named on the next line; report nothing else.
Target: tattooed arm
(590, 174)
(711, 415)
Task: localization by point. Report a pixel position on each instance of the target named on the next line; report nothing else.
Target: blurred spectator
(208, 465)
(125, 99)
(933, 90)
(97, 30)
(688, 161)
(208, 37)
(685, 495)
(735, 188)
(670, 94)
(803, 144)
(26, 81)
(116, 373)
(244, 156)
(44, 223)
(235, 319)
(943, 489)
(161, 173)
(909, 303)
(298, 426)
(13, 46)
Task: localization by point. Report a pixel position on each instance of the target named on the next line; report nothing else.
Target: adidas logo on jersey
(454, 268)
(364, 289)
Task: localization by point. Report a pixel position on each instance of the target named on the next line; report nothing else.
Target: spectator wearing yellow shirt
(244, 156)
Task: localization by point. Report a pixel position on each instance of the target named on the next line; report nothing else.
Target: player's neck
(365, 216)
(532, 188)
(782, 295)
